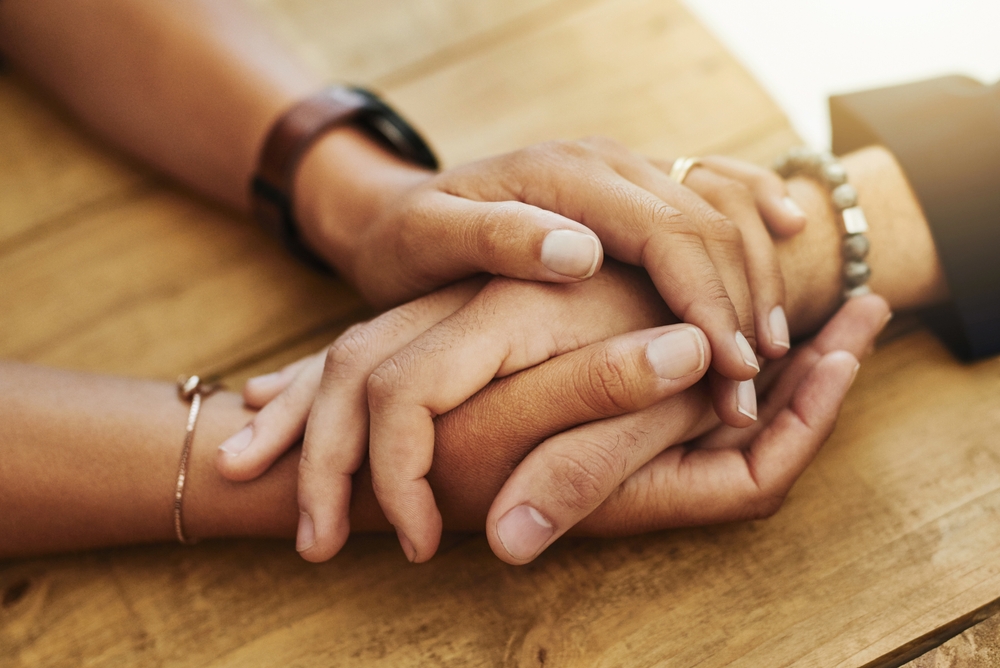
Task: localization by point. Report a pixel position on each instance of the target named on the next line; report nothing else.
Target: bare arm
(91, 461)
(189, 87)
(192, 86)
(906, 269)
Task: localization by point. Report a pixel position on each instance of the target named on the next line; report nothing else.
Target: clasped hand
(455, 390)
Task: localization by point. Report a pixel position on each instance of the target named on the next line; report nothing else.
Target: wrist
(215, 507)
(344, 182)
(905, 265)
(810, 261)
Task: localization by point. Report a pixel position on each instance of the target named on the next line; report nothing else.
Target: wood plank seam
(934, 638)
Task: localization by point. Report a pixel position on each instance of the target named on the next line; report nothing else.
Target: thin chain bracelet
(826, 169)
(188, 389)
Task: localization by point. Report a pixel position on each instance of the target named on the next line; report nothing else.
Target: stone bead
(856, 247)
(855, 221)
(859, 291)
(844, 196)
(856, 273)
(834, 174)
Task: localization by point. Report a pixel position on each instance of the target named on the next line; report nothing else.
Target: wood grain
(978, 647)
(384, 41)
(890, 537)
(641, 71)
(203, 289)
(50, 169)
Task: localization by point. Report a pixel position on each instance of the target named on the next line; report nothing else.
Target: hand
(271, 442)
(618, 301)
(335, 399)
(549, 211)
(643, 472)
(717, 478)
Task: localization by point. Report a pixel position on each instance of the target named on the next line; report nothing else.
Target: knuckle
(606, 388)
(711, 298)
(349, 346)
(307, 464)
(674, 220)
(384, 382)
(492, 232)
(721, 229)
(583, 479)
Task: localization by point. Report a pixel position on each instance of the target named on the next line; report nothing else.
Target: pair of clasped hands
(570, 391)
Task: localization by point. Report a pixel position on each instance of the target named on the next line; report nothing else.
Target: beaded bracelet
(824, 167)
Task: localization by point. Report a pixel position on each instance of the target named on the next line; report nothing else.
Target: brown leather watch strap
(293, 133)
(286, 143)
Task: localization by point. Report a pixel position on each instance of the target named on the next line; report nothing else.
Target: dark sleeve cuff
(945, 133)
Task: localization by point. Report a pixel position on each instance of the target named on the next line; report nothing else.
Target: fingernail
(408, 549)
(792, 207)
(571, 253)
(306, 535)
(238, 442)
(523, 532)
(676, 354)
(746, 399)
(854, 374)
(265, 380)
(885, 321)
(779, 328)
(747, 351)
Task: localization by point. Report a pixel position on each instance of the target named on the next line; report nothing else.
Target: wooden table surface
(888, 545)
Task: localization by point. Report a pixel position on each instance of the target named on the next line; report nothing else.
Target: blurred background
(802, 51)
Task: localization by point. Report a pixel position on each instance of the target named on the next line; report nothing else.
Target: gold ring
(682, 167)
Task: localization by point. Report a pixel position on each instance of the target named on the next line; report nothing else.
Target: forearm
(189, 86)
(905, 266)
(192, 87)
(101, 470)
(92, 460)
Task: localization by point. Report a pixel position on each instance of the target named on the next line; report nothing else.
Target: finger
(336, 437)
(259, 390)
(567, 476)
(690, 294)
(767, 285)
(665, 233)
(446, 237)
(783, 216)
(276, 427)
(686, 487)
(509, 326)
(852, 329)
(735, 401)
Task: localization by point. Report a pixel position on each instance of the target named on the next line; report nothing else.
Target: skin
(395, 231)
(397, 373)
(64, 478)
(706, 254)
(68, 500)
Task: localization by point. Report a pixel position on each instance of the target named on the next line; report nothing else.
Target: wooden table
(889, 544)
